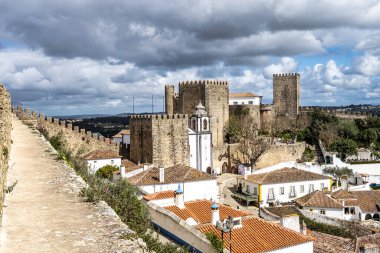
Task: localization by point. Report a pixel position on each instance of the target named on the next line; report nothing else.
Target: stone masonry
(286, 94)
(214, 96)
(5, 141)
(160, 139)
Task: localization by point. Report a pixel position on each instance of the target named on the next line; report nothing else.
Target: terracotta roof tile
(318, 199)
(368, 201)
(121, 133)
(257, 235)
(285, 175)
(200, 211)
(282, 211)
(243, 95)
(101, 154)
(343, 194)
(324, 243)
(160, 195)
(175, 174)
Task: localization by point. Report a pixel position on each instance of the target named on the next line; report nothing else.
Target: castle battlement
(286, 74)
(203, 82)
(160, 116)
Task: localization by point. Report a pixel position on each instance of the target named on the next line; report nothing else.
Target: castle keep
(160, 139)
(286, 94)
(213, 95)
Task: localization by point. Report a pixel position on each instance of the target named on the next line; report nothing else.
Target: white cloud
(286, 65)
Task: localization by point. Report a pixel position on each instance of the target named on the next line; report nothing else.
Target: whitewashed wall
(126, 139)
(285, 197)
(94, 165)
(207, 189)
(240, 101)
(304, 248)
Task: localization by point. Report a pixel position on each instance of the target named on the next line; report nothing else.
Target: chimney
(162, 173)
(303, 228)
(291, 221)
(344, 182)
(122, 172)
(145, 168)
(179, 197)
(214, 213)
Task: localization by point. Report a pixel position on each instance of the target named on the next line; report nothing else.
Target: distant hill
(83, 116)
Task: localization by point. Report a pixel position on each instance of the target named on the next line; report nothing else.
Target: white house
(247, 98)
(281, 186)
(343, 204)
(99, 158)
(200, 140)
(124, 137)
(195, 184)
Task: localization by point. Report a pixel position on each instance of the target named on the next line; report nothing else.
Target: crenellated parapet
(204, 82)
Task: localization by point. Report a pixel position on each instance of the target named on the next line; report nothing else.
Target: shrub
(215, 241)
(106, 171)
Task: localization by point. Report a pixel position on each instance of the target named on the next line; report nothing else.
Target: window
(112, 162)
(243, 184)
(250, 102)
(282, 190)
(235, 103)
(205, 124)
(270, 194)
(255, 191)
(248, 189)
(302, 188)
(311, 188)
(242, 103)
(292, 192)
(322, 212)
(94, 161)
(349, 210)
(322, 186)
(193, 124)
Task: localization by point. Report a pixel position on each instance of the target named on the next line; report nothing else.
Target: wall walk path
(44, 212)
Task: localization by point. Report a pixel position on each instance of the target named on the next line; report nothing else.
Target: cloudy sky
(93, 56)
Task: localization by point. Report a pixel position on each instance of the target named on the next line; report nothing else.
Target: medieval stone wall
(252, 111)
(5, 141)
(160, 139)
(77, 141)
(281, 153)
(286, 94)
(214, 96)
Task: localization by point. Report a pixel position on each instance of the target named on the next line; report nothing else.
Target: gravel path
(44, 212)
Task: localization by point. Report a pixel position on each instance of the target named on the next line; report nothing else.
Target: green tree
(344, 147)
(348, 129)
(215, 241)
(369, 136)
(337, 173)
(106, 171)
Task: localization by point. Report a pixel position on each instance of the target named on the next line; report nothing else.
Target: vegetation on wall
(325, 228)
(120, 195)
(106, 171)
(215, 241)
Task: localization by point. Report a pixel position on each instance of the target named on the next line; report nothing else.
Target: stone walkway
(44, 212)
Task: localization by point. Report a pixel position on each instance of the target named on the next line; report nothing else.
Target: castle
(164, 139)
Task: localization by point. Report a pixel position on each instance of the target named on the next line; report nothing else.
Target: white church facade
(200, 139)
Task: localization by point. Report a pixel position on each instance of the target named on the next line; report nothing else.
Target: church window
(205, 124)
(193, 124)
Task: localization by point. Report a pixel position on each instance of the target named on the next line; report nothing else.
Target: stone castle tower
(213, 95)
(160, 139)
(286, 94)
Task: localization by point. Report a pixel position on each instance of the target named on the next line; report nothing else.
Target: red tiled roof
(175, 174)
(258, 235)
(243, 95)
(368, 201)
(200, 211)
(285, 175)
(318, 199)
(160, 195)
(121, 133)
(324, 243)
(343, 194)
(101, 154)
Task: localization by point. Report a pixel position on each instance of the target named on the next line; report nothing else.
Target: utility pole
(133, 104)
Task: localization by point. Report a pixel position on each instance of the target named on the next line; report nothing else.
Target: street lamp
(225, 227)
